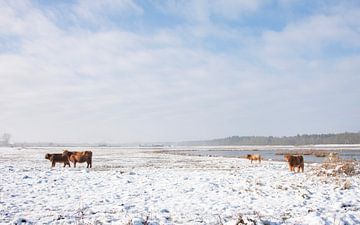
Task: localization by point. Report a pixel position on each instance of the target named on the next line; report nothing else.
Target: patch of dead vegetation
(339, 167)
(245, 220)
(316, 153)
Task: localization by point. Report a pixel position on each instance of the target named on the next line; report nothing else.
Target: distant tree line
(305, 139)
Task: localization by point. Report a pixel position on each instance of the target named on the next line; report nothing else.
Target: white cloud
(95, 10)
(311, 43)
(202, 11)
(113, 84)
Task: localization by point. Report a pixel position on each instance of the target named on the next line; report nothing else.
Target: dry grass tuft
(339, 167)
(346, 185)
(243, 220)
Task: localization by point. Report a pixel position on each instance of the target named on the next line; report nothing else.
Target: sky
(122, 71)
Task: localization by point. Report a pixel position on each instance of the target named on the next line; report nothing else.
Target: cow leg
(74, 164)
(53, 164)
(89, 164)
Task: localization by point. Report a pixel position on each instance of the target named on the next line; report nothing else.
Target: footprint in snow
(22, 221)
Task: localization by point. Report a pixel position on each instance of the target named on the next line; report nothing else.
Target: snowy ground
(128, 185)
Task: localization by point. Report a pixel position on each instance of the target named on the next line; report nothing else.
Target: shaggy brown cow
(295, 161)
(253, 157)
(57, 158)
(79, 157)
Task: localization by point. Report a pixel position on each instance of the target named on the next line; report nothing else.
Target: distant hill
(305, 139)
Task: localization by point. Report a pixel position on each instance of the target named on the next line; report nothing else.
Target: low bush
(339, 167)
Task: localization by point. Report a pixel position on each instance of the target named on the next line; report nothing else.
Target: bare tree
(6, 139)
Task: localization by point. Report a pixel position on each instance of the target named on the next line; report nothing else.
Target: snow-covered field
(126, 186)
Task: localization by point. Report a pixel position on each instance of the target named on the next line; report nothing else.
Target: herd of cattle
(294, 161)
(66, 157)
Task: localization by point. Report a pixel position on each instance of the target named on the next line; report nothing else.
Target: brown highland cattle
(253, 157)
(295, 161)
(58, 158)
(80, 157)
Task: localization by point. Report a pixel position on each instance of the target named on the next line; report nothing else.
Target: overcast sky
(123, 71)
